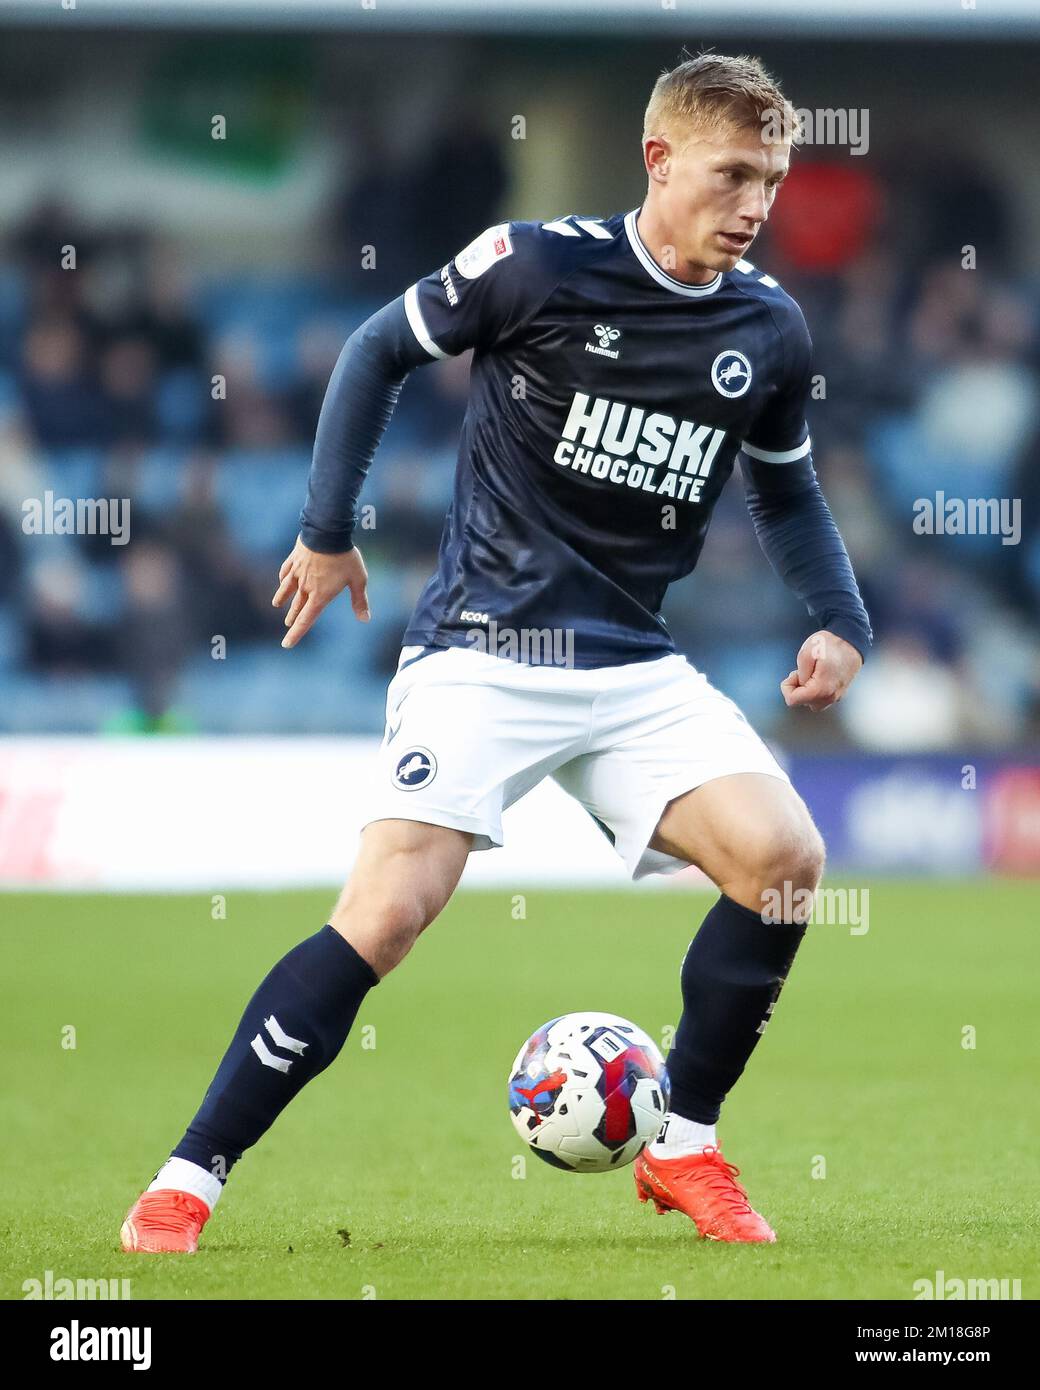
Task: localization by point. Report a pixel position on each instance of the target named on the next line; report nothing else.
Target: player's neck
(658, 240)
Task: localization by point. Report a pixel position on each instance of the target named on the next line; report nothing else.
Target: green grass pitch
(880, 1147)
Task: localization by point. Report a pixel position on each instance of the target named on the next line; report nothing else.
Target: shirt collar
(654, 270)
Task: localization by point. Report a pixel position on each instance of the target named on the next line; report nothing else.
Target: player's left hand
(826, 667)
(312, 579)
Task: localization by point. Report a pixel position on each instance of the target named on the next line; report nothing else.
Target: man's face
(715, 191)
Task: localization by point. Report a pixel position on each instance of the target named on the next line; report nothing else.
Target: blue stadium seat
(909, 468)
(13, 306)
(104, 593)
(58, 705)
(73, 472)
(750, 675)
(182, 404)
(271, 312)
(12, 638)
(261, 496)
(297, 692)
(158, 480)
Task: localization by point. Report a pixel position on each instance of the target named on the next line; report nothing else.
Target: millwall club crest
(415, 769)
(731, 373)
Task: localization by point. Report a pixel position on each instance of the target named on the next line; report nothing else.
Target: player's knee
(386, 905)
(381, 929)
(804, 858)
(394, 916)
(789, 855)
(797, 858)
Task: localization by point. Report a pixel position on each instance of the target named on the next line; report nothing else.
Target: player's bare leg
(750, 833)
(404, 875)
(298, 1020)
(753, 836)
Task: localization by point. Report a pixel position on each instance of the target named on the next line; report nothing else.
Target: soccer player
(620, 367)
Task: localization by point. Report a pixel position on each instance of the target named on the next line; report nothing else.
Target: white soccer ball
(588, 1091)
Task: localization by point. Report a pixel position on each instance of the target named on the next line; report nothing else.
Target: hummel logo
(605, 335)
(280, 1038)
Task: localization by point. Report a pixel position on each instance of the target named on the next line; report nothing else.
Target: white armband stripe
(777, 455)
(418, 324)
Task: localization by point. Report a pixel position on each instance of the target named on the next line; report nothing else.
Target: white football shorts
(468, 734)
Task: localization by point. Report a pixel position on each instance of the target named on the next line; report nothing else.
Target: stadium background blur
(251, 257)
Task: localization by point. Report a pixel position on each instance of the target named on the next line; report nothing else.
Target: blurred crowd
(195, 396)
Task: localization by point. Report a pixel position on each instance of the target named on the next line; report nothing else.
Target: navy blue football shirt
(608, 404)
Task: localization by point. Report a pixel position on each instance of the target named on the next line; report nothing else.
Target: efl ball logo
(731, 373)
(415, 769)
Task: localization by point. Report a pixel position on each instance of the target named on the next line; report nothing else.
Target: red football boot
(164, 1222)
(705, 1187)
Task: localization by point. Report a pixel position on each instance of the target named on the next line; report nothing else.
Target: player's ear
(656, 152)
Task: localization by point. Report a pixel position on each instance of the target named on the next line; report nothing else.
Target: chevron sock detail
(293, 1028)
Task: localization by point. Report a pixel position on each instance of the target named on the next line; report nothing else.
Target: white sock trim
(679, 1136)
(184, 1176)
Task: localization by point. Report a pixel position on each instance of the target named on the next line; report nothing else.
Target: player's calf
(753, 835)
(297, 1022)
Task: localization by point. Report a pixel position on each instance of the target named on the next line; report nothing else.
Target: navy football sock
(731, 977)
(293, 1027)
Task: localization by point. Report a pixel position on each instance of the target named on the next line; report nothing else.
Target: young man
(619, 367)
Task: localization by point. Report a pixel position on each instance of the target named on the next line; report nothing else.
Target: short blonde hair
(716, 93)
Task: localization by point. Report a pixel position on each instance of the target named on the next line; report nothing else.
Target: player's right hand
(313, 580)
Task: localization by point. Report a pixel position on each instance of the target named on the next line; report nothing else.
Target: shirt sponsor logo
(626, 445)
